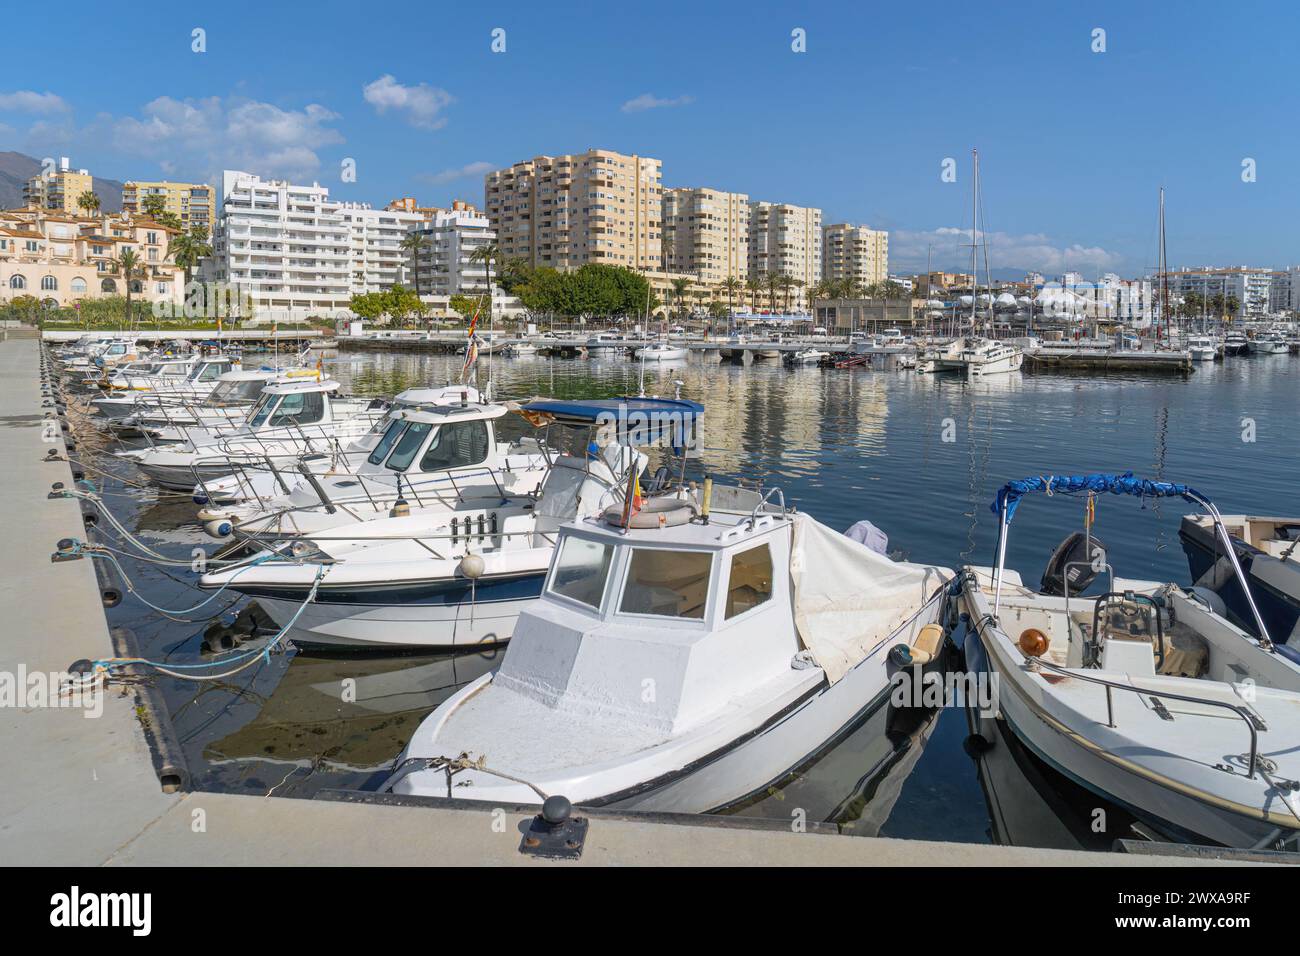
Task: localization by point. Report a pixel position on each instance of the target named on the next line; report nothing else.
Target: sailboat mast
(1164, 269)
(974, 236)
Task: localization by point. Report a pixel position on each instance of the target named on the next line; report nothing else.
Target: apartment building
(445, 265)
(1252, 288)
(58, 188)
(706, 234)
(855, 252)
(287, 247)
(786, 240)
(62, 259)
(567, 211)
(192, 203)
(377, 260)
(938, 283)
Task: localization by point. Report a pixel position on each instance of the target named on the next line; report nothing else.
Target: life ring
(655, 513)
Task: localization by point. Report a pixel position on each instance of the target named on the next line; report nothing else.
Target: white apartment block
(786, 240)
(1110, 297)
(377, 259)
(297, 253)
(706, 234)
(445, 265)
(855, 252)
(564, 212)
(1252, 288)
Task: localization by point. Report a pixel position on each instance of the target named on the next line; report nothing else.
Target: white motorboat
(519, 350)
(1203, 348)
(604, 344)
(683, 660)
(1142, 694)
(458, 577)
(294, 419)
(1269, 342)
(177, 380)
(1268, 551)
(661, 352)
(430, 458)
(808, 356)
(164, 419)
(973, 357)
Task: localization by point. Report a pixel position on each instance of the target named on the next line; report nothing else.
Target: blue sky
(1074, 144)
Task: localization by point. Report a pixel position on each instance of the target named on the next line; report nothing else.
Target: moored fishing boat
(683, 660)
(1142, 694)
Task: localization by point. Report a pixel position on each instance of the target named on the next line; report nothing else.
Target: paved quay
(76, 790)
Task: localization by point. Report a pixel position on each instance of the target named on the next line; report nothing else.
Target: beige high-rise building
(855, 252)
(786, 240)
(706, 234)
(566, 211)
(192, 203)
(58, 188)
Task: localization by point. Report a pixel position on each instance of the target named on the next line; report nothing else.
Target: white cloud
(28, 101)
(948, 248)
(235, 133)
(421, 103)
(467, 171)
(648, 101)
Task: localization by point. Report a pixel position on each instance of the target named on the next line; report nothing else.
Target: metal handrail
(1253, 722)
(753, 515)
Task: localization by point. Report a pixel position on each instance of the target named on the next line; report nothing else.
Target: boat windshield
(395, 428)
(261, 410)
(407, 446)
(580, 570)
(667, 583)
(243, 390)
(456, 445)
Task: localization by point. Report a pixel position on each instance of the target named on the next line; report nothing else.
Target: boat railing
(1252, 720)
(762, 505)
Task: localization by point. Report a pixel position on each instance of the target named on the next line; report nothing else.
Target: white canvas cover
(848, 598)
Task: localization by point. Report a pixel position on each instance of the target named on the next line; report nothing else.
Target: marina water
(920, 457)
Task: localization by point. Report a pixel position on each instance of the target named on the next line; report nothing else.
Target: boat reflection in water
(348, 717)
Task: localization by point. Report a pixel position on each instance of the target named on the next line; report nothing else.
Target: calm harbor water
(920, 457)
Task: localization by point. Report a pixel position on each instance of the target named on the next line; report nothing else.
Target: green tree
(129, 264)
(188, 248)
(153, 206)
(368, 305)
(753, 286)
(487, 254)
(680, 286)
(414, 245)
(89, 202)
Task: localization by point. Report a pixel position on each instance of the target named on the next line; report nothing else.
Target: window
(49, 284)
(667, 583)
(750, 582)
(302, 408)
(457, 445)
(17, 282)
(580, 570)
(107, 285)
(261, 410)
(78, 284)
(410, 443)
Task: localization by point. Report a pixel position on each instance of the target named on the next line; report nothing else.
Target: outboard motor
(1071, 563)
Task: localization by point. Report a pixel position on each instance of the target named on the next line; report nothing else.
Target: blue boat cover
(1126, 484)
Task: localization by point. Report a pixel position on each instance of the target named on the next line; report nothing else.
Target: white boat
(808, 356)
(604, 343)
(294, 419)
(519, 349)
(182, 379)
(169, 419)
(1269, 342)
(661, 352)
(1142, 694)
(973, 357)
(683, 665)
(452, 578)
(430, 458)
(1203, 348)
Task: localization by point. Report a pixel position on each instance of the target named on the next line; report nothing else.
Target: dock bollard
(555, 834)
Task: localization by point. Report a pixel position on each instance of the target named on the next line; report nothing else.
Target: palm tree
(188, 248)
(485, 254)
(414, 244)
(791, 284)
(773, 283)
(753, 285)
(130, 265)
(88, 201)
(731, 285)
(680, 286)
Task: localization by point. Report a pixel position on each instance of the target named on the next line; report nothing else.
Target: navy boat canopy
(1010, 494)
(637, 421)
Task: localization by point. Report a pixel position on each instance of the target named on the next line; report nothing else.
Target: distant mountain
(17, 168)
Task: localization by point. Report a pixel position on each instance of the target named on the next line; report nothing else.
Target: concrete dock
(79, 790)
